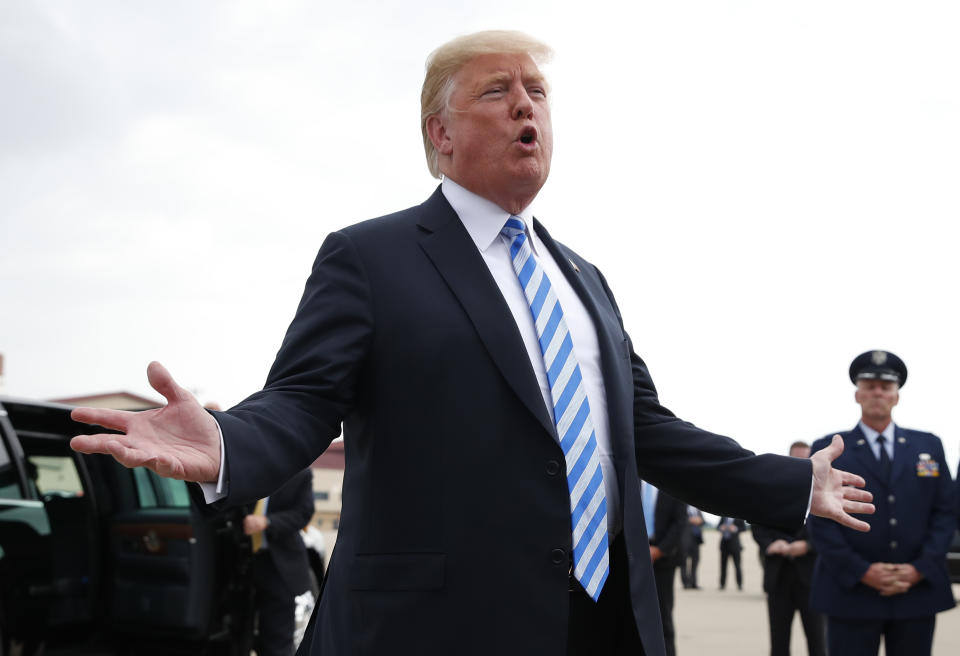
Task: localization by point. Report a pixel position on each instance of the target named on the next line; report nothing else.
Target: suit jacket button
(891, 498)
(893, 545)
(553, 467)
(893, 521)
(558, 556)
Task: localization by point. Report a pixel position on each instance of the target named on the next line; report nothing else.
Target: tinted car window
(56, 475)
(156, 492)
(9, 485)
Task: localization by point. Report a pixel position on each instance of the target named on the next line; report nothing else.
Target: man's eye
(537, 91)
(493, 91)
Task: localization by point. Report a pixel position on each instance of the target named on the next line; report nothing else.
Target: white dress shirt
(872, 436)
(483, 220)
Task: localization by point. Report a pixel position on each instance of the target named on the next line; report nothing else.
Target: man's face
(877, 398)
(496, 139)
(800, 451)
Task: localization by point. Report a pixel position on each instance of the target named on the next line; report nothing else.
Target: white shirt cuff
(214, 492)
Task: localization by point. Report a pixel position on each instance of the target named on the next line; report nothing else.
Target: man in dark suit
(730, 548)
(281, 571)
(665, 527)
(788, 560)
(693, 538)
(491, 496)
(892, 582)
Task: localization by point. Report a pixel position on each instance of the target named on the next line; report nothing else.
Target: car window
(9, 484)
(156, 492)
(55, 475)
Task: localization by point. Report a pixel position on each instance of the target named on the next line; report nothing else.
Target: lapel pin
(861, 442)
(574, 265)
(902, 440)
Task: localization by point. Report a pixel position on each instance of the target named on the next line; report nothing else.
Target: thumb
(835, 448)
(161, 380)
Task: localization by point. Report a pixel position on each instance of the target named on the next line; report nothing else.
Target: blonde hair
(444, 63)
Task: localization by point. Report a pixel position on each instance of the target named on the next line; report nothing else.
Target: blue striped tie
(571, 412)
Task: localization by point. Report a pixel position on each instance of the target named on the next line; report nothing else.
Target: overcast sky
(770, 188)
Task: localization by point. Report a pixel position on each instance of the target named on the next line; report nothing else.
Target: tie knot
(881, 440)
(513, 227)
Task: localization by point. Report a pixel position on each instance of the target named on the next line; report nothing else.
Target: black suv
(99, 559)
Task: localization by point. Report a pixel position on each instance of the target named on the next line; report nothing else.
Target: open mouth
(528, 136)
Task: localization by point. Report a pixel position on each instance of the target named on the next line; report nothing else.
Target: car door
(130, 555)
(24, 550)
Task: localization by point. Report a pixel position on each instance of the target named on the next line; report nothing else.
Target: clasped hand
(891, 578)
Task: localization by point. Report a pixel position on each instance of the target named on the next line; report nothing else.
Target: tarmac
(728, 622)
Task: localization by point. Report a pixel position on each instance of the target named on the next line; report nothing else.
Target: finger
(126, 456)
(851, 479)
(92, 443)
(850, 522)
(858, 508)
(835, 448)
(854, 494)
(115, 419)
(161, 380)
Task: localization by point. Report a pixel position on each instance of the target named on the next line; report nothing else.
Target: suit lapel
(862, 451)
(455, 256)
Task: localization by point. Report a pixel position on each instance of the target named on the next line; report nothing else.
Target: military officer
(892, 581)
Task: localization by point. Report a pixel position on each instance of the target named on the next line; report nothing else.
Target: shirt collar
(483, 218)
(872, 435)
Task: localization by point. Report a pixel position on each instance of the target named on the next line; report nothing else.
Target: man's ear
(437, 131)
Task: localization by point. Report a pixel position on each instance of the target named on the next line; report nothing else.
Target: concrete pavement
(731, 623)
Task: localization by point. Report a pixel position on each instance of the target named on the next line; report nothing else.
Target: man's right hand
(180, 440)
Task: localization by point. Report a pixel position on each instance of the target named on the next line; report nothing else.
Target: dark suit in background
(281, 570)
(669, 525)
(730, 548)
(692, 539)
(786, 580)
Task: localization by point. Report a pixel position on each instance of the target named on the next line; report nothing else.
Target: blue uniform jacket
(914, 523)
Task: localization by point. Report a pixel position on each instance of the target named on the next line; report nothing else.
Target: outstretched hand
(836, 493)
(180, 440)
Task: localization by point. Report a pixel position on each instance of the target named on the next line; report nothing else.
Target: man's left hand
(655, 553)
(907, 574)
(255, 524)
(835, 492)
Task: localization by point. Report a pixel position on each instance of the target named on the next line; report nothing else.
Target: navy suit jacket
(914, 523)
(289, 510)
(775, 566)
(455, 527)
(669, 524)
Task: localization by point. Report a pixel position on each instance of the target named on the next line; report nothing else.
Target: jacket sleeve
(942, 524)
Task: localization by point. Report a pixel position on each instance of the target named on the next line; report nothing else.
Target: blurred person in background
(692, 539)
(891, 582)
(281, 571)
(666, 519)
(730, 548)
(788, 560)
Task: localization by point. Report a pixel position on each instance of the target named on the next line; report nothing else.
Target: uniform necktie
(571, 412)
(884, 457)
